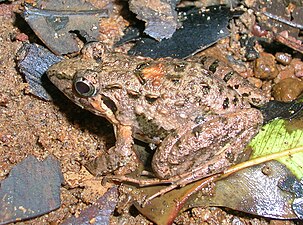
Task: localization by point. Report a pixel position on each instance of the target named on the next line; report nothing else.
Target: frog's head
(78, 80)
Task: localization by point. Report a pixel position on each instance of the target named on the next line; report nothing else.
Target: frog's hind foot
(174, 183)
(137, 181)
(181, 183)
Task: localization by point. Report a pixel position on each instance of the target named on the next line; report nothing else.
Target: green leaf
(277, 136)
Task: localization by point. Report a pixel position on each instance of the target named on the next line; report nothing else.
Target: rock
(31, 189)
(288, 89)
(283, 58)
(265, 66)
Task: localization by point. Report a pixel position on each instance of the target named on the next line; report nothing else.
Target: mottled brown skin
(193, 117)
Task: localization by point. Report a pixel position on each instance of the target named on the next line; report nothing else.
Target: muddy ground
(31, 126)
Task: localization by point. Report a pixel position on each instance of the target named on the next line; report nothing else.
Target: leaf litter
(56, 24)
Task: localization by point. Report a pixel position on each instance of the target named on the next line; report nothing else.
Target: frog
(193, 118)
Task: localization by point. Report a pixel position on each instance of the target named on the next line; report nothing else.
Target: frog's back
(183, 83)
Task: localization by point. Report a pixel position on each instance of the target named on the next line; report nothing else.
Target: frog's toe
(98, 166)
(106, 164)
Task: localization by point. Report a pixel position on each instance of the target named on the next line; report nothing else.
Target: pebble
(298, 65)
(265, 67)
(257, 31)
(255, 81)
(288, 89)
(283, 58)
(287, 72)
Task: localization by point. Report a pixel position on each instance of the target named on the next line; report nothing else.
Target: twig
(282, 20)
(260, 160)
(30, 11)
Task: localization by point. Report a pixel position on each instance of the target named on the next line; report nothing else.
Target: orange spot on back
(154, 73)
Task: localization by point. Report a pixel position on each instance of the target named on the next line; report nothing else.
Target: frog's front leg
(208, 146)
(119, 159)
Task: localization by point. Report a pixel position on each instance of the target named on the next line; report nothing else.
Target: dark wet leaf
(199, 30)
(162, 210)
(31, 189)
(98, 213)
(285, 110)
(254, 190)
(58, 21)
(292, 185)
(33, 62)
(160, 16)
(279, 17)
(297, 15)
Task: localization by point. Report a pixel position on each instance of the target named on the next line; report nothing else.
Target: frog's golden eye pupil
(84, 88)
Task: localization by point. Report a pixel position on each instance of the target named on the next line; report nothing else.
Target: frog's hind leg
(207, 147)
(241, 85)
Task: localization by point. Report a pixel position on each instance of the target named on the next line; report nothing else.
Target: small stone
(4, 100)
(298, 65)
(283, 58)
(257, 31)
(265, 66)
(288, 72)
(21, 37)
(255, 81)
(288, 89)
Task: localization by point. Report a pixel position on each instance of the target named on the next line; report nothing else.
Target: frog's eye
(84, 87)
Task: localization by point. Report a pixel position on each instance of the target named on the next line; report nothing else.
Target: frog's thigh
(217, 142)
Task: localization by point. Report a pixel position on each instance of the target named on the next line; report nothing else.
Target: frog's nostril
(84, 88)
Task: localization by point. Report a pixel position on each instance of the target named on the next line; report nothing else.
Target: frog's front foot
(120, 159)
(108, 162)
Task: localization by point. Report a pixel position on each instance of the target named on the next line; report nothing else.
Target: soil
(31, 126)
